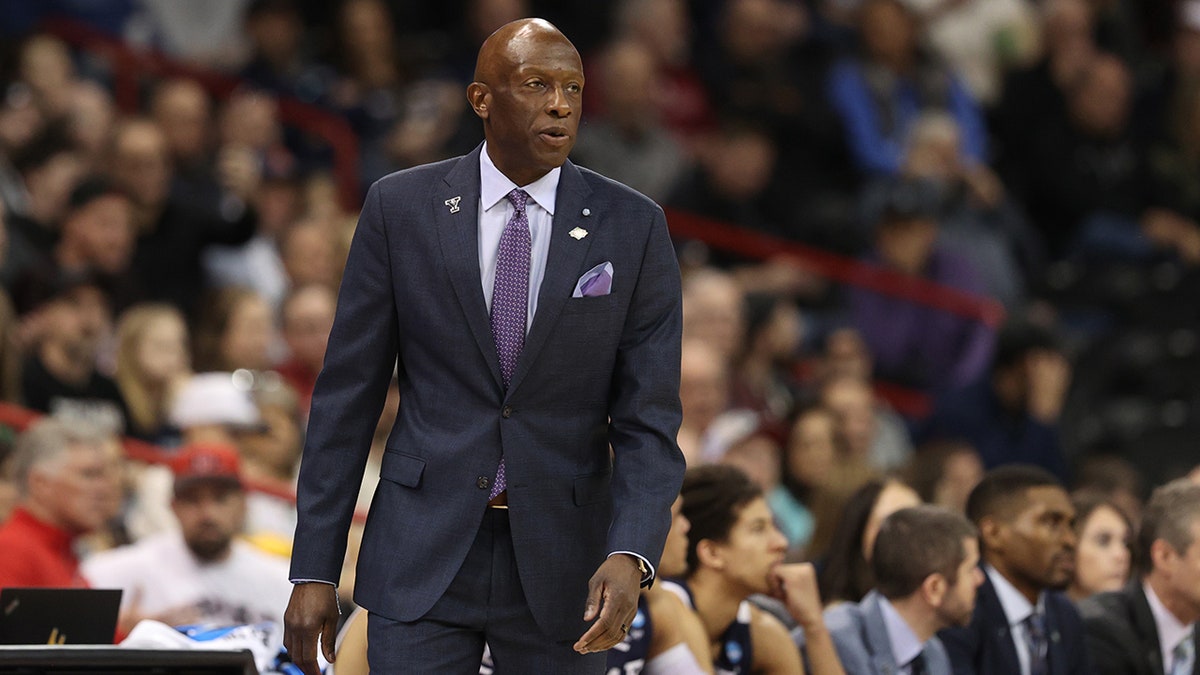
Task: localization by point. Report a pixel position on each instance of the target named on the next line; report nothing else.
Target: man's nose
(1068, 537)
(559, 105)
(778, 541)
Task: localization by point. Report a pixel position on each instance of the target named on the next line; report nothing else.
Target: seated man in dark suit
(926, 565)
(1023, 624)
(1148, 628)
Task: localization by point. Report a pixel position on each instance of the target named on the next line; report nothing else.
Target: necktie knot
(1036, 623)
(917, 665)
(519, 198)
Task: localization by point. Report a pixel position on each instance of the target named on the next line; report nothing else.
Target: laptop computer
(58, 616)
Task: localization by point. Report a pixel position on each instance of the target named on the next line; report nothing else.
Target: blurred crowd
(169, 272)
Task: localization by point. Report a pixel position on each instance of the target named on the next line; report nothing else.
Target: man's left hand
(612, 596)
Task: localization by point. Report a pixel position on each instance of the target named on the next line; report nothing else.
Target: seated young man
(735, 551)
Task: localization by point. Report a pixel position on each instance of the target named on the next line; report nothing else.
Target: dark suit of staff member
(1149, 627)
(1023, 623)
(534, 309)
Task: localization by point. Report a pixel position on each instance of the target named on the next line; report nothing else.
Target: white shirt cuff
(312, 581)
(650, 567)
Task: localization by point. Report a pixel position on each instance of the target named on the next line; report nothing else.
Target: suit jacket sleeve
(644, 408)
(347, 400)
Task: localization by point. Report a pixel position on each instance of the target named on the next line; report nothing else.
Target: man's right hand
(311, 614)
(796, 585)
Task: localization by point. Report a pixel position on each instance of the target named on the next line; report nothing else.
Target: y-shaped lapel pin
(453, 203)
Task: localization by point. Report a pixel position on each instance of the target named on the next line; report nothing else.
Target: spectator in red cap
(201, 573)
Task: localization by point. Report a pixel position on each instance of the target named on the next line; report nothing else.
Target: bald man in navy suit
(533, 307)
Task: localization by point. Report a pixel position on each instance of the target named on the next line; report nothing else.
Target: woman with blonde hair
(152, 361)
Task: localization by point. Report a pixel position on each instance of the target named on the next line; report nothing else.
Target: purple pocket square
(595, 282)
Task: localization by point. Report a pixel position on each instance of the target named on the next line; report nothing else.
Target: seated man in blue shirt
(926, 566)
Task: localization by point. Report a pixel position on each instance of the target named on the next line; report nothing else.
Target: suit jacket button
(482, 482)
(506, 412)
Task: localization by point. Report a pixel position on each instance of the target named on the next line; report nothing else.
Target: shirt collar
(1170, 631)
(1016, 607)
(904, 642)
(494, 186)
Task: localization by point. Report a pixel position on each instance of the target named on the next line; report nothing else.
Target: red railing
(835, 267)
(130, 67)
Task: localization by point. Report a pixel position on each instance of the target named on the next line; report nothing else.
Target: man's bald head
(528, 91)
(505, 48)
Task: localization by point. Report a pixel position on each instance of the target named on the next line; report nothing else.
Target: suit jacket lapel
(1144, 626)
(562, 266)
(1002, 637)
(458, 234)
(875, 632)
(1056, 649)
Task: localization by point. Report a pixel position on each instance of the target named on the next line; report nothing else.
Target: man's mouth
(555, 135)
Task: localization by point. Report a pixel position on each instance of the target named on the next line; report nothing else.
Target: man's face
(1036, 548)
(105, 227)
(854, 406)
(78, 320)
(531, 108)
(210, 513)
(674, 557)
(754, 548)
(959, 602)
(81, 488)
(1181, 569)
(140, 165)
(307, 320)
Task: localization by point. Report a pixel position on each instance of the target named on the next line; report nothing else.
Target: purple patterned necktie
(510, 300)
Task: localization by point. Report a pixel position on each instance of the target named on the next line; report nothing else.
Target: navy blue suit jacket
(594, 372)
(985, 647)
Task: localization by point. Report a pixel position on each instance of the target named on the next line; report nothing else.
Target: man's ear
(709, 554)
(1162, 553)
(38, 484)
(480, 97)
(991, 534)
(933, 589)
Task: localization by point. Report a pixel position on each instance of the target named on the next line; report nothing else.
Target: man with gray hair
(67, 476)
(926, 566)
(1148, 627)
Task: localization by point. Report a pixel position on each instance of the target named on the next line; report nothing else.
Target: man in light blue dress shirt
(926, 566)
